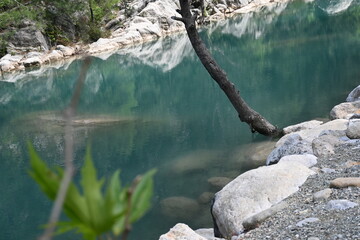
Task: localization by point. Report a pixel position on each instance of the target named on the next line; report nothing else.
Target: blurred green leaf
(93, 214)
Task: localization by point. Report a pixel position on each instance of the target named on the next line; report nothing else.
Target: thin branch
(129, 194)
(69, 113)
(246, 114)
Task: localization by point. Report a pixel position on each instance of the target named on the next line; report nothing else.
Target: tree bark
(246, 114)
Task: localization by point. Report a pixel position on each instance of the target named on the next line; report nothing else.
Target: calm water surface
(291, 62)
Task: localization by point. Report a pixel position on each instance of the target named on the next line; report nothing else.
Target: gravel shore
(306, 218)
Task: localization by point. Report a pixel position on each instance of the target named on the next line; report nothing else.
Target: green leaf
(141, 198)
(93, 196)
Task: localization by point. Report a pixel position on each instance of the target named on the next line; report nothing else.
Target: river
(154, 106)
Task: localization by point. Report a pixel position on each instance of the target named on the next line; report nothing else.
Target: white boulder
(255, 191)
(345, 110)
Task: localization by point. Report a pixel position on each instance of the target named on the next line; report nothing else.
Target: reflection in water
(164, 54)
(155, 106)
(334, 6)
(251, 23)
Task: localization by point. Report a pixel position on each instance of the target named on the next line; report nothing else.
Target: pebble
(328, 170)
(340, 204)
(322, 195)
(307, 221)
(345, 182)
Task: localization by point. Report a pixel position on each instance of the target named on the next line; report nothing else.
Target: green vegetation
(62, 21)
(93, 212)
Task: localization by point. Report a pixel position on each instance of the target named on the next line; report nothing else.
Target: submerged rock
(194, 161)
(255, 191)
(179, 207)
(206, 197)
(218, 182)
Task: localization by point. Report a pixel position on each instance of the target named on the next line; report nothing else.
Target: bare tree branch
(69, 113)
(246, 114)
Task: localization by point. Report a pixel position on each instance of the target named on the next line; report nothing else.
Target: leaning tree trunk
(256, 122)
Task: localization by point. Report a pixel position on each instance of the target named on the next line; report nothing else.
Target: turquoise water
(291, 63)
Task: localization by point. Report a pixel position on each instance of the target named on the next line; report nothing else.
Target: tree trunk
(256, 122)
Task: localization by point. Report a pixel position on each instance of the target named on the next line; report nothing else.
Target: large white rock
(66, 51)
(307, 160)
(345, 110)
(255, 191)
(181, 232)
(302, 126)
(310, 134)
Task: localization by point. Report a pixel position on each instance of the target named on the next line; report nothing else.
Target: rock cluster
(272, 202)
(140, 22)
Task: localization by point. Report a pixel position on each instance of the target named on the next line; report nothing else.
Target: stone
(324, 145)
(313, 238)
(29, 36)
(294, 144)
(194, 161)
(341, 204)
(354, 95)
(350, 164)
(255, 220)
(256, 153)
(32, 62)
(322, 195)
(255, 191)
(306, 221)
(218, 182)
(181, 232)
(66, 51)
(179, 207)
(302, 126)
(345, 182)
(310, 134)
(206, 197)
(353, 130)
(207, 233)
(55, 55)
(102, 45)
(328, 170)
(345, 110)
(307, 160)
(147, 29)
(161, 13)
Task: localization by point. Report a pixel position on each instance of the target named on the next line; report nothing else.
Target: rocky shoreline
(149, 21)
(311, 191)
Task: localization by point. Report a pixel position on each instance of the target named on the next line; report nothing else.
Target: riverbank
(311, 192)
(149, 22)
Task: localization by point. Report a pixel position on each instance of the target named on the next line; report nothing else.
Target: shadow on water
(155, 106)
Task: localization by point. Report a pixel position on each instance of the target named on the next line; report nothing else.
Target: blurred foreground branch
(69, 114)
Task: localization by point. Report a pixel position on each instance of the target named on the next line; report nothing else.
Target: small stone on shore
(345, 182)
